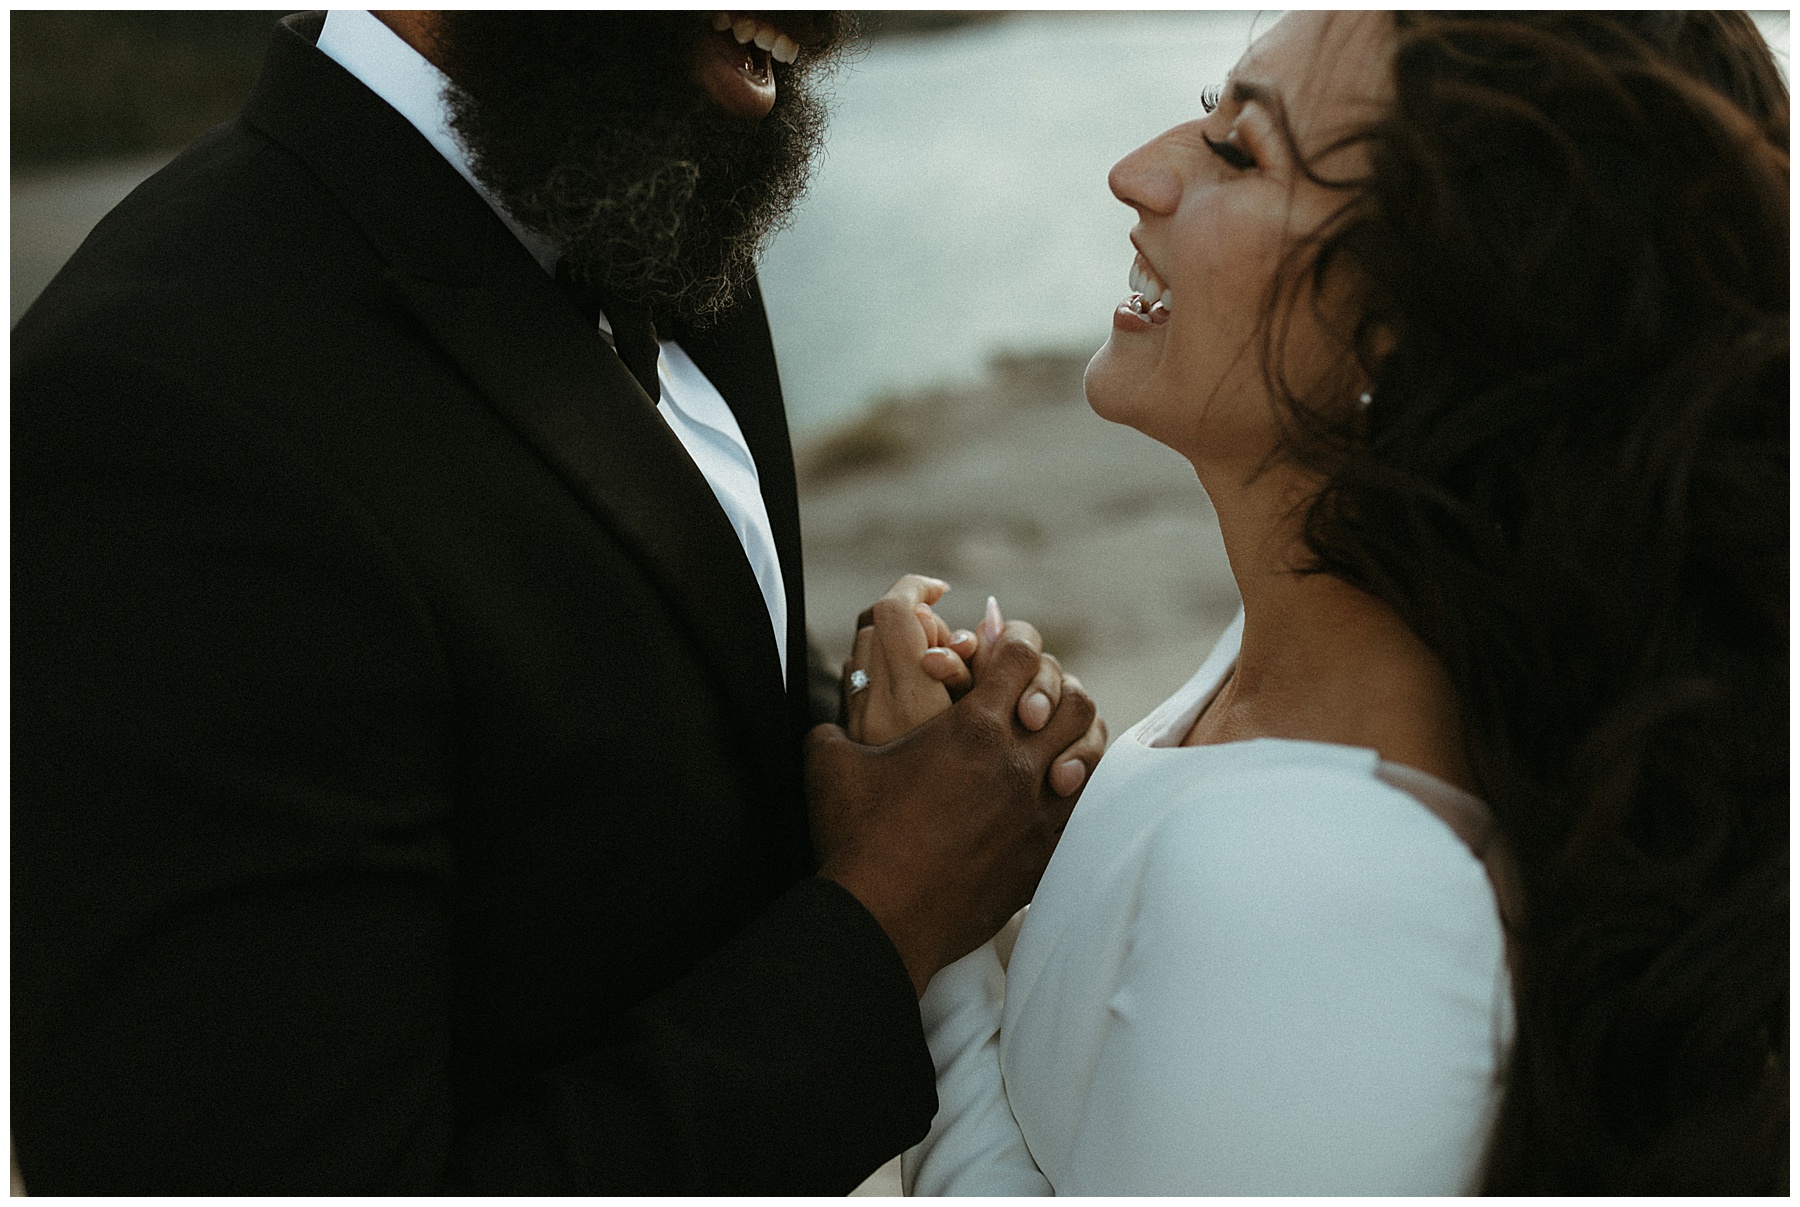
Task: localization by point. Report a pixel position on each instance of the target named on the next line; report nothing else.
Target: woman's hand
(912, 666)
(887, 692)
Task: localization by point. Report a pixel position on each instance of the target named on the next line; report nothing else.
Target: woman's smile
(1148, 305)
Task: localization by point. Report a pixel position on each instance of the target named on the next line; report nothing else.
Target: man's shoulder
(227, 202)
(232, 241)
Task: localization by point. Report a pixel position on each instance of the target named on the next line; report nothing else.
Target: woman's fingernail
(961, 639)
(1034, 711)
(991, 624)
(1067, 776)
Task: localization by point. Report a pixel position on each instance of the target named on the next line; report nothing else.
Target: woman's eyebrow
(1243, 92)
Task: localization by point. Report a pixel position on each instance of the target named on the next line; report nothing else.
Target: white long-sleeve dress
(1265, 967)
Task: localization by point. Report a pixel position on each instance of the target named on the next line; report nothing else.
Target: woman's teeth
(1147, 284)
(1149, 296)
(747, 29)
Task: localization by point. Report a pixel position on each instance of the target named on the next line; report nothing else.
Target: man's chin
(650, 180)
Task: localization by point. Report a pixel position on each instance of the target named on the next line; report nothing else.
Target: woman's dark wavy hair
(1570, 259)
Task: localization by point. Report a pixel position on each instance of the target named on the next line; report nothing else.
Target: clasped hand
(940, 802)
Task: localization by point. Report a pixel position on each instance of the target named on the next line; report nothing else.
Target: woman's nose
(1146, 181)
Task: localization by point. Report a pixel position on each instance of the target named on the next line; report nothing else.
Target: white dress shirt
(691, 406)
(1260, 967)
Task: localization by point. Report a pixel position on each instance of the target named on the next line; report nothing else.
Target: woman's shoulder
(1311, 823)
(1308, 977)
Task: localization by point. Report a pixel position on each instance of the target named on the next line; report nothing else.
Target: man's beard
(590, 130)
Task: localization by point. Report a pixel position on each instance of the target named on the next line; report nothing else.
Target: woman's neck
(1322, 660)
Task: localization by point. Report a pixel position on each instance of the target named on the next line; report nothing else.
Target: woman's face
(1220, 200)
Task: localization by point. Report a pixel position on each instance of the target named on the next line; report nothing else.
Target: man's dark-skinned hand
(943, 833)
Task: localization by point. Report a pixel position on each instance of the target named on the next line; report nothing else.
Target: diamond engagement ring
(859, 679)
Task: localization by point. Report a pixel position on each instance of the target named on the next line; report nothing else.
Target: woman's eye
(1231, 153)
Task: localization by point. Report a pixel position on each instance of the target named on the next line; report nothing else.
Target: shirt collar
(409, 82)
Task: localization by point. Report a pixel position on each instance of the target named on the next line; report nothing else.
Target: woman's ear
(1382, 341)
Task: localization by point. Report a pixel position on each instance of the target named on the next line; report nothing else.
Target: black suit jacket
(406, 794)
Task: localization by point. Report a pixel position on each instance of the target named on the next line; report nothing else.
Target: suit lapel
(529, 353)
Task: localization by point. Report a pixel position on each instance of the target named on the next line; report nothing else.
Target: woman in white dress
(1474, 333)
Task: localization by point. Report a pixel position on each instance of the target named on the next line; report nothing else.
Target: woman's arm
(1307, 1003)
(975, 1146)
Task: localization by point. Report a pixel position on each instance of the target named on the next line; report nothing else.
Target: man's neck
(418, 28)
(376, 49)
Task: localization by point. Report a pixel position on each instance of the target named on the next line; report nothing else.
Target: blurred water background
(962, 210)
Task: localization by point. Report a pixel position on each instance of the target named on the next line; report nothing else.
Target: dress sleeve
(975, 1146)
(1307, 1004)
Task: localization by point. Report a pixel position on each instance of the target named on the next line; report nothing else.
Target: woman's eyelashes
(1230, 152)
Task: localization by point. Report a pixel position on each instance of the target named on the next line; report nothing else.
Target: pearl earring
(1365, 399)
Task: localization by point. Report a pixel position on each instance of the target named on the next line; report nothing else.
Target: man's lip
(740, 77)
(798, 24)
(782, 36)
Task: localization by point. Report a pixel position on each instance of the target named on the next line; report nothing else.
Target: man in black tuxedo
(408, 777)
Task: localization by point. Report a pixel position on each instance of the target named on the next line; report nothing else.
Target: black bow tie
(633, 332)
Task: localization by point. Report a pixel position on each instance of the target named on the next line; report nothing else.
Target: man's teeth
(1147, 285)
(745, 29)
